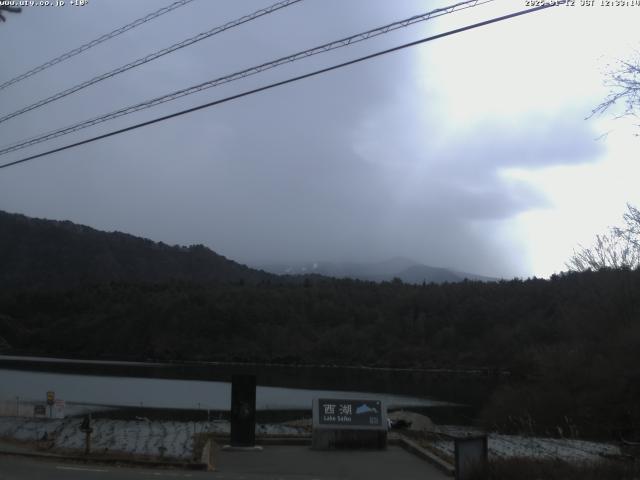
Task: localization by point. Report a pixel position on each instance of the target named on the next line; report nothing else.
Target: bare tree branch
(624, 86)
(618, 248)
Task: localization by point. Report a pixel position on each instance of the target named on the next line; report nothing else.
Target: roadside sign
(350, 412)
(58, 408)
(471, 457)
(51, 397)
(348, 423)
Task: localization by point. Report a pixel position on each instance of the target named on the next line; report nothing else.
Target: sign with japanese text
(350, 412)
(58, 408)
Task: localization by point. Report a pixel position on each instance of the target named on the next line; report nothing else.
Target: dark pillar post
(243, 410)
(86, 428)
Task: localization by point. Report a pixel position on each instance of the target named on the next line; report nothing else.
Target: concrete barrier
(208, 455)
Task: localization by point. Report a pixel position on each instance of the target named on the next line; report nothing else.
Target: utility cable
(152, 56)
(244, 73)
(284, 82)
(93, 43)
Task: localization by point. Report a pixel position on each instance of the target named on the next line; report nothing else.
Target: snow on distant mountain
(405, 269)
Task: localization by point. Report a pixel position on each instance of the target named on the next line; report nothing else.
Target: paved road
(20, 468)
(275, 462)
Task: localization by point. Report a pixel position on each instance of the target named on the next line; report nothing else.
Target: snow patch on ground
(136, 437)
(508, 446)
(175, 439)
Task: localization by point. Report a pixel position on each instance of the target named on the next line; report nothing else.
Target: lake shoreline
(470, 387)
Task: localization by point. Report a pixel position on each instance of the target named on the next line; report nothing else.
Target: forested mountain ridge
(37, 253)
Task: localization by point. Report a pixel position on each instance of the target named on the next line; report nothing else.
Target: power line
(152, 56)
(93, 43)
(6, 8)
(244, 73)
(283, 82)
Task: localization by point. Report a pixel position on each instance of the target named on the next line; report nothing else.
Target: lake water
(31, 386)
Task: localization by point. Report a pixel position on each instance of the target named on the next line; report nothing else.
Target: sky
(472, 152)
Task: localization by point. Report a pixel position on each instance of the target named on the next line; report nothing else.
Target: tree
(624, 85)
(631, 230)
(618, 248)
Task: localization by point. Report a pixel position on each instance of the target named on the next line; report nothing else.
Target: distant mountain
(340, 269)
(406, 270)
(38, 253)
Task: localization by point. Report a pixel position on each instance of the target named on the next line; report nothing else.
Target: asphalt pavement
(274, 462)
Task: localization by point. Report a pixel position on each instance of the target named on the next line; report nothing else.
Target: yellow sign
(51, 397)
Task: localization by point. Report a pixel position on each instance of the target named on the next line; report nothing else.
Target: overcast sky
(470, 152)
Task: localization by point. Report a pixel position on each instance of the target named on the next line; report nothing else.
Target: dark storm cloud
(352, 165)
